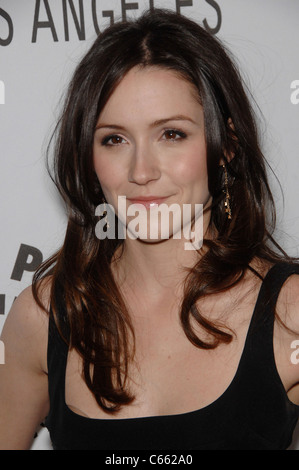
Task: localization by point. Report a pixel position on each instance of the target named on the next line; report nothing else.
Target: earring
(227, 195)
(105, 214)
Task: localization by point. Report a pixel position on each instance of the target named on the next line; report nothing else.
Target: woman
(151, 345)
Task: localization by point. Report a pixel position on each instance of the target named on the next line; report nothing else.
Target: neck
(157, 265)
(155, 268)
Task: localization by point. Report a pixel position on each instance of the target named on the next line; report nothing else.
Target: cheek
(108, 175)
(193, 167)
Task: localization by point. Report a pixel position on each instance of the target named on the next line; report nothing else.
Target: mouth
(149, 201)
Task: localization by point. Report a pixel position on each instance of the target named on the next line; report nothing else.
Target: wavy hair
(82, 284)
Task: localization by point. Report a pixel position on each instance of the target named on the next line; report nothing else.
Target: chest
(169, 375)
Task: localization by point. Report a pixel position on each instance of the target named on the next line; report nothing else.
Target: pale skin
(169, 375)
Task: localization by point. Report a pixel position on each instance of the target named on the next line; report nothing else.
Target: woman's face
(149, 145)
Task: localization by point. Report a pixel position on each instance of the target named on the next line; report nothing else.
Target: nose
(144, 166)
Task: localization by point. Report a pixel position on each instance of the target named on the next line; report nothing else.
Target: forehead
(151, 91)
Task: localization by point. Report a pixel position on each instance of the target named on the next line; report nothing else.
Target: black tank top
(254, 412)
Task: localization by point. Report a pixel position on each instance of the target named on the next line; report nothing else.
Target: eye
(173, 134)
(112, 140)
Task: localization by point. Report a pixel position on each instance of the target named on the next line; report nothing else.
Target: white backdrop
(41, 42)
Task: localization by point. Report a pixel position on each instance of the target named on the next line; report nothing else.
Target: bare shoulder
(25, 330)
(286, 336)
(24, 398)
(288, 304)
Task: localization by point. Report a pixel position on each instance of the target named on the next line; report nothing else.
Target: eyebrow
(156, 123)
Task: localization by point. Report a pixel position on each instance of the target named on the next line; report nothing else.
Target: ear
(232, 139)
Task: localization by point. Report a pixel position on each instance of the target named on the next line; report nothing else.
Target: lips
(149, 201)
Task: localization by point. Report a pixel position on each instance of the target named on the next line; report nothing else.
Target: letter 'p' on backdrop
(41, 42)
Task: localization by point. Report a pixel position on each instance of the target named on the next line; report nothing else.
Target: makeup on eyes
(176, 136)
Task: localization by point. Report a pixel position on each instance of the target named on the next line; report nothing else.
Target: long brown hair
(83, 289)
